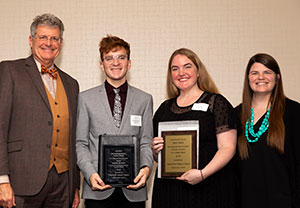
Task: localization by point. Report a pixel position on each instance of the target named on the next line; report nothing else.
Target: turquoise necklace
(262, 129)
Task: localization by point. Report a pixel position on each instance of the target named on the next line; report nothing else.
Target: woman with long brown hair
(189, 87)
(268, 139)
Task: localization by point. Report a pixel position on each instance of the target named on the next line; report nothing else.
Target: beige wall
(225, 34)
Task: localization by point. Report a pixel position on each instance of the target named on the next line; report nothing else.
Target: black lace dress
(216, 191)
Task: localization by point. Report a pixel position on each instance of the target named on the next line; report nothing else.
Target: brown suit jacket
(26, 126)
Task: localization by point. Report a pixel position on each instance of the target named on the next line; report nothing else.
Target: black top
(268, 178)
(216, 191)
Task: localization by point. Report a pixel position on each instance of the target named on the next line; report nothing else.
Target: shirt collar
(38, 64)
(109, 88)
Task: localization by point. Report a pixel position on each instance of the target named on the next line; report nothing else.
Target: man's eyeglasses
(120, 58)
(45, 38)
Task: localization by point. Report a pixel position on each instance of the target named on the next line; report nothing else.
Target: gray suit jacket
(26, 126)
(94, 118)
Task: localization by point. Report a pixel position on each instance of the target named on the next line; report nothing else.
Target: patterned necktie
(117, 112)
(52, 72)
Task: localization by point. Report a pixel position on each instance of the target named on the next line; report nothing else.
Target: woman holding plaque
(268, 141)
(193, 96)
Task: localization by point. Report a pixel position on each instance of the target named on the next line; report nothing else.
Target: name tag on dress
(200, 107)
(135, 120)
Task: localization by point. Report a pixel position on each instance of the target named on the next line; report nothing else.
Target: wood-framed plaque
(119, 159)
(180, 152)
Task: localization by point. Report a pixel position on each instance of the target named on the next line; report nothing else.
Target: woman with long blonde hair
(194, 96)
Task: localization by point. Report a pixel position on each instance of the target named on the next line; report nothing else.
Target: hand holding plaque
(97, 183)
(180, 152)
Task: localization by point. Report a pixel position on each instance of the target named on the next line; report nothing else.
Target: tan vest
(60, 133)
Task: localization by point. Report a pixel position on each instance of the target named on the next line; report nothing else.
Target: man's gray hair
(46, 20)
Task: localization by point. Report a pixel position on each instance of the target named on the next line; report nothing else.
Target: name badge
(200, 107)
(135, 120)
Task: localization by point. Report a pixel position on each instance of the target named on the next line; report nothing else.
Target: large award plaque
(180, 152)
(118, 161)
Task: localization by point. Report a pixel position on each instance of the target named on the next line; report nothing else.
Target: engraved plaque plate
(180, 152)
(118, 159)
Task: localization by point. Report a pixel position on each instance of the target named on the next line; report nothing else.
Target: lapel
(68, 90)
(128, 105)
(104, 101)
(35, 76)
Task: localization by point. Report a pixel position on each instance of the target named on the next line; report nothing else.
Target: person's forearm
(155, 157)
(221, 158)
